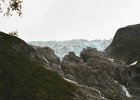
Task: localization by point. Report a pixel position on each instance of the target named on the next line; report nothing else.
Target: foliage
(11, 6)
(24, 79)
(14, 33)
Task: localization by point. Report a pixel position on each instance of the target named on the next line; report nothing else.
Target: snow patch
(112, 60)
(126, 91)
(134, 63)
(92, 88)
(59, 67)
(45, 59)
(68, 80)
(116, 81)
(100, 94)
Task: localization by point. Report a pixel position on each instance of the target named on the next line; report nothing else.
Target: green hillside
(24, 79)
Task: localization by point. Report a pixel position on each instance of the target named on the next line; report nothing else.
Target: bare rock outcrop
(126, 47)
(97, 72)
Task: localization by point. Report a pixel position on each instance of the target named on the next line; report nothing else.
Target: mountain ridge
(126, 46)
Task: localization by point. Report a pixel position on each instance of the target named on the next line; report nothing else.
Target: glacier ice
(62, 48)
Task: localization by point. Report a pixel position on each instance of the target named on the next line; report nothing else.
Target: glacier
(62, 48)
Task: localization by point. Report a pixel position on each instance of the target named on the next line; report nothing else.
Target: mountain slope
(126, 47)
(96, 71)
(24, 79)
(25, 74)
(126, 44)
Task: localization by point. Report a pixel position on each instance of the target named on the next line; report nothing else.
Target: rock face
(73, 68)
(89, 53)
(49, 56)
(126, 46)
(26, 75)
(98, 72)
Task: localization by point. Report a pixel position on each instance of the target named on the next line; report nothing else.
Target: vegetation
(11, 6)
(23, 79)
(14, 33)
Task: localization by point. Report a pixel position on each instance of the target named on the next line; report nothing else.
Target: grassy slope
(23, 79)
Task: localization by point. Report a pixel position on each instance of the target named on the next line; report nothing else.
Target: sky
(45, 20)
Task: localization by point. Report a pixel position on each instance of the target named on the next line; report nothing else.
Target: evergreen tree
(7, 7)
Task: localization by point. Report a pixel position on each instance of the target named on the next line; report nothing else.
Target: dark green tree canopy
(11, 6)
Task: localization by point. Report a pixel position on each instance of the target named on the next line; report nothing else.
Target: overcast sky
(72, 19)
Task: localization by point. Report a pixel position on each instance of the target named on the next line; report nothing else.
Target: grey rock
(98, 72)
(126, 47)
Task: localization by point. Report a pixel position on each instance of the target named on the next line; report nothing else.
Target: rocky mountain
(30, 72)
(126, 46)
(97, 72)
(26, 74)
(62, 48)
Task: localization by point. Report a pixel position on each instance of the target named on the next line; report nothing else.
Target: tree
(14, 33)
(11, 6)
